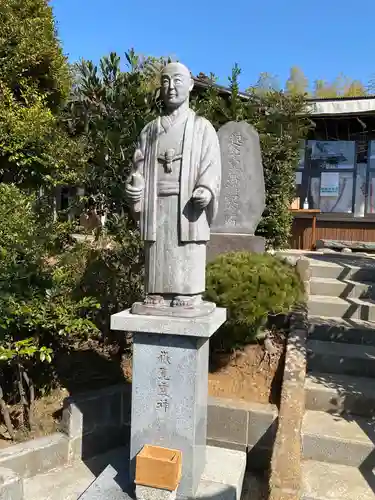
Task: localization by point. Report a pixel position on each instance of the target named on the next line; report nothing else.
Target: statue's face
(176, 85)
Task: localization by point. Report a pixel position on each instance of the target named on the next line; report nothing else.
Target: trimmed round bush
(251, 287)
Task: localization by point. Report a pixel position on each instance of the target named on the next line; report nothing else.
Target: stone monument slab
(242, 198)
(224, 242)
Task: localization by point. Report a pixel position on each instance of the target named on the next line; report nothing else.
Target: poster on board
(329, 184)
(333, 154)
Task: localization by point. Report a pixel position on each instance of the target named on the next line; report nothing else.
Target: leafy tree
(297, 82)
(267, 82)
(341, 86)
(355, 89)
(38, 315)
(34, 83)
(108, 108)
(277, 117)
(320, 89)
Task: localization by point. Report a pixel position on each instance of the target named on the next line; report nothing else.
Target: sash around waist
(168, 187)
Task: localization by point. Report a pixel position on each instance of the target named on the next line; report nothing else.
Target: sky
(322, 37)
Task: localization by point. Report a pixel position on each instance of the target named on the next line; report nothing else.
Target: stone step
(333, 287)
(343, 270)
(322, 305)
(342, 330)
(331, 392)
(336, 439)
(106, 477)
(336, 357)
(70, 482)
(322, 481)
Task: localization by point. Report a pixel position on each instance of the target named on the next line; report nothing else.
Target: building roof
(342, 106)
(336, 106)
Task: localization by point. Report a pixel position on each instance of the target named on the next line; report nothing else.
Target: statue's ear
(191, 84)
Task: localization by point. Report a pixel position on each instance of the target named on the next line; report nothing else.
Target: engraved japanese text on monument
(232, 184)
(242, 197)
(163, 380)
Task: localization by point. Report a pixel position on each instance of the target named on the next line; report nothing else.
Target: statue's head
(176, 85)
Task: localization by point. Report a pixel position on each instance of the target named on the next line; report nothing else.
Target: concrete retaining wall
(286, 465)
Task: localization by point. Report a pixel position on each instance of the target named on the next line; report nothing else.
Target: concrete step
(322, 481)
(69, 483)
(346, 359)
(343, 270)
(333, 287)
(61, 484)
(322, 305)
(338, 440)
(342, 330)
(106, 477)
(331, 392)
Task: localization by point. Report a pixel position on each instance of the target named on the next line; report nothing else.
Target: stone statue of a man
(174, 188)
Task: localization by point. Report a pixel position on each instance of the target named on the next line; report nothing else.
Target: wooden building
(336, 174)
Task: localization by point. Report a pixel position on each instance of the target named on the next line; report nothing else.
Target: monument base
(197, 311)
(170, 387)
(230, 242)
(222, 478)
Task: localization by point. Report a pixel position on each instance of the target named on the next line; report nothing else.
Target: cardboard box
(158, 467)
(296, 204)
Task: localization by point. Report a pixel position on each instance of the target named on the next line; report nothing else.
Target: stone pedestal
(231, 242)
(170, 387)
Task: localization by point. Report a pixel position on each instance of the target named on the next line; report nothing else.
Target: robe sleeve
(209, 172)
(138, 166)
(139, 154)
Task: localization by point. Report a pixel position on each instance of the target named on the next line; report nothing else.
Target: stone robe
(174, 230)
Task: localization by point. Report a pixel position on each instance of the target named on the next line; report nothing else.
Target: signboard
(329, 184)
(333, 154)
(298, 178)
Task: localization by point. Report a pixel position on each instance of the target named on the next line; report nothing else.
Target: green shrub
(109, 269)
(38, 316)
(35, 81)
(251, 287)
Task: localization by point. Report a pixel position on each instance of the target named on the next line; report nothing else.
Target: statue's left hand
(202, 197)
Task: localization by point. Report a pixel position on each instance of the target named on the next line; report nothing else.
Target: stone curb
(11, 486)
(36, 456)
(301, 263)
(285, 481)
(98, 421)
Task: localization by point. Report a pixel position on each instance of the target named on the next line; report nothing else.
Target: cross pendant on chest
(168, 158)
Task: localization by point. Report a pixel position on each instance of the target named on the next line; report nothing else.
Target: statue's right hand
(133, 194)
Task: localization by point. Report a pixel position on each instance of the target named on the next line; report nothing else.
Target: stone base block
(225, 242)
(149, 493)
(222, 479)
(197, 311)
(11, 486)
